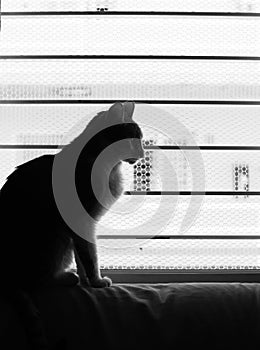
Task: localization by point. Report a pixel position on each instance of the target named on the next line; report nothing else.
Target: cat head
(130, 131)
(117, 124)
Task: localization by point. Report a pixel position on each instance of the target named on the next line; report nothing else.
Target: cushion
(159, 316)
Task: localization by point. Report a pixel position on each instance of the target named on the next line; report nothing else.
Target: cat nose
(131, 160)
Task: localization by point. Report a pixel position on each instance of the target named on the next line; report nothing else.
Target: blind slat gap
(130, 13)
(158, 148)
(131, 57)
(179, 237)
(192, 193)
(158, 102)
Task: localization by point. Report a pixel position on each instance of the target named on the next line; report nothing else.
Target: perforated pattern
(141, 79)
(177, 171)
(145, 35)
(26, 155)
(134, 5)
(219, 165)
(241, 177)
(12, 158)
(152, 215)
(8, 163)
(209, 125)
(143, 171)
(160, 170)
(177, 254)
(42, 119)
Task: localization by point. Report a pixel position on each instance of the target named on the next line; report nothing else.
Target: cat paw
(101, 282)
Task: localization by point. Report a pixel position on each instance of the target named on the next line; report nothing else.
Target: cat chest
(116, 182)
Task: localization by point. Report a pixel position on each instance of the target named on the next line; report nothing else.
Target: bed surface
(202, 315)
(149, 316)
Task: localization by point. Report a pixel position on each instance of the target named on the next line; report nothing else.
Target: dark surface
(154, 316)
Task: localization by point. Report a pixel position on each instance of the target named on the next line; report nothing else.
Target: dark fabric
(162, 316)
(12, 333)
(159, 316)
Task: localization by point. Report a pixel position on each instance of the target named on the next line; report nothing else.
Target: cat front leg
(87, 263)
(84, 281)
(64, 272)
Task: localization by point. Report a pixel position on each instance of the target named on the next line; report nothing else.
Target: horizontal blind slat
(145, 35)
(136, 80)
(132, 5)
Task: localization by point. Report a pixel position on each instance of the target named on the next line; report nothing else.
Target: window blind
(192, 204)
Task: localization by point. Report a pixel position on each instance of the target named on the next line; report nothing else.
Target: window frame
(182, 276)
(160, 276)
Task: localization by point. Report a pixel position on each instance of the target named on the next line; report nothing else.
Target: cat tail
(29, 317)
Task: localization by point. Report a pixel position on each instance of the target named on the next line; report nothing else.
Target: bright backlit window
(193, 68)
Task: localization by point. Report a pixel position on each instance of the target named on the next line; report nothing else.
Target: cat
(37, 244)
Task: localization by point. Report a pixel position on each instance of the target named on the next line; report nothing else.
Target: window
(192, 204)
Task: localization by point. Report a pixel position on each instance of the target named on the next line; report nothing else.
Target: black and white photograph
(129, 174)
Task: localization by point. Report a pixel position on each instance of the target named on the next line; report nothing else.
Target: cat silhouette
(37, 243)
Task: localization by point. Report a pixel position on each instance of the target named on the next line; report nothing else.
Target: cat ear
(121, 113)
(128, 111)
(115, 112)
